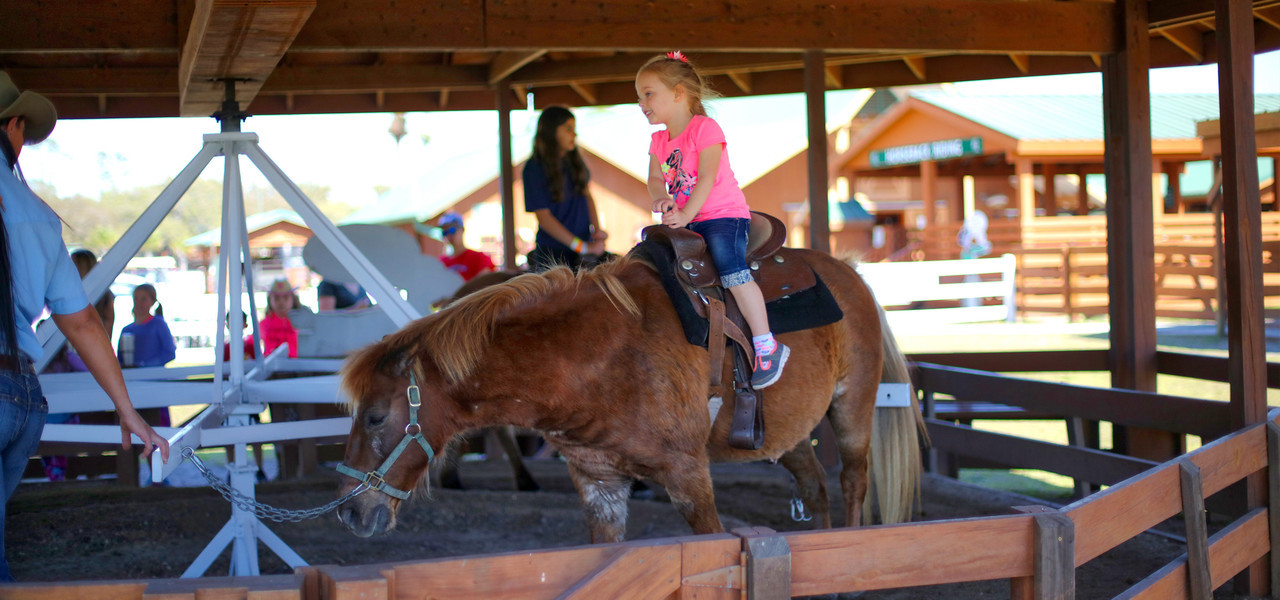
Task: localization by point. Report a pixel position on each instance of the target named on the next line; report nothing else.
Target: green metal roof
(213, 237)
(1079, 117)
(1198, 176)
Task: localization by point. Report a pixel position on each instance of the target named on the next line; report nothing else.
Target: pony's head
(376, 382)
(443, 351)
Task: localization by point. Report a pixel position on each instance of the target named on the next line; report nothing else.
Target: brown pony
(598, 363)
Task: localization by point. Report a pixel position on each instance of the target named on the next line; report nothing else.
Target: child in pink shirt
(692, 185)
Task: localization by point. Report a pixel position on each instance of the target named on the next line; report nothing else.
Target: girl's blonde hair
(674, 69)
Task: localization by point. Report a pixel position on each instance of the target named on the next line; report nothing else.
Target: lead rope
(265, 511)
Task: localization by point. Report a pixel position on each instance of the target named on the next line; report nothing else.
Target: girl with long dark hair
(555, 190)
(37, 273)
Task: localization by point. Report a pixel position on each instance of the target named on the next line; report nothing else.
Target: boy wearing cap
(460, 259)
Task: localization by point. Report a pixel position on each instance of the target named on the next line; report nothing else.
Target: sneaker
(768, 367)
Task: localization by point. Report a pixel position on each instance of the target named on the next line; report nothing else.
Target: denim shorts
(727, 241)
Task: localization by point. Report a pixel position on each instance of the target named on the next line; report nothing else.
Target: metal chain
(264, 511)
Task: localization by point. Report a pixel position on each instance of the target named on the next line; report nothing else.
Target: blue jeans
(22, 414)
(727, 241)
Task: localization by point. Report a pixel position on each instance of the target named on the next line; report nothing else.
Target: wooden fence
(1062, 263)
(1037, 552)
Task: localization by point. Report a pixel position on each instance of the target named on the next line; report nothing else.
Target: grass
(1195, 337)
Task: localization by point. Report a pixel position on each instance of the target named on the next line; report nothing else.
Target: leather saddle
(778, 273)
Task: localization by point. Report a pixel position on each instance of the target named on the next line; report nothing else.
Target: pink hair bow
(678, 55)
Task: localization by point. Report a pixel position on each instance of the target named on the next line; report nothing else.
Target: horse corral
(1038, 552)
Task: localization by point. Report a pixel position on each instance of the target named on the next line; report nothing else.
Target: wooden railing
(1037, 552)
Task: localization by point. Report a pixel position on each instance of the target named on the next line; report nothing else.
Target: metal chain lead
(264, 511)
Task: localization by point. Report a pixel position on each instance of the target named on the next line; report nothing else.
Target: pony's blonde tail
(895, 443)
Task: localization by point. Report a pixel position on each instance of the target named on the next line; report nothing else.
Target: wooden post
(929, 191)
(815, 93)
(1199, 581)
(1049, 171)
(768, 563)
(1082, 193)
(1174, 174)
(1242, 237)
(1026, 192)
(1273, 498)
(1055, 569)
(502, 101)
(1130, 226)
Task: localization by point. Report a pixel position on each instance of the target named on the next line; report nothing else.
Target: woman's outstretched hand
(132, 423)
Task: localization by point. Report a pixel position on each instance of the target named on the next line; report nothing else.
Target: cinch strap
(374, 479)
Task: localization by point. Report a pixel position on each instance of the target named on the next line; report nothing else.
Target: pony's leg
(604, 494)
(852, 421)
(811, 481)
(689, 486)
(524, 479)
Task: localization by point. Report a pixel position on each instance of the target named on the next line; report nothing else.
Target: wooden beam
(586, 90)
(507, 63)
(833, 77)
(917, 66)
(242, 40)
(1242, 238)
(444, 98)
(1022, 61)
(1188, 38)
(742, 79)
(971, 25)
(521, 94)
(506, 175)
(816, 112)
(1269, 15)
(297, 79)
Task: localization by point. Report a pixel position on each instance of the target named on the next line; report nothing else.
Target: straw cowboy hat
(38, 110)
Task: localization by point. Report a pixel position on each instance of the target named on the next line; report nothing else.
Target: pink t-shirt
(679, 161)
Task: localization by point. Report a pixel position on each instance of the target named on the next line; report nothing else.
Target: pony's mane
(456, 337)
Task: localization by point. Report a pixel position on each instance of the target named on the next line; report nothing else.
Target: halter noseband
(374, 479)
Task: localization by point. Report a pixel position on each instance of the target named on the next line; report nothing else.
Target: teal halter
(374, 479)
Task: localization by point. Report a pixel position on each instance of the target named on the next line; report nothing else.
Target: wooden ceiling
(147, 58)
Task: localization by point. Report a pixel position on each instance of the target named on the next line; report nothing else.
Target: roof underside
(153, 58)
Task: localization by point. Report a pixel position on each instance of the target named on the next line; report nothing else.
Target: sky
(355, 155)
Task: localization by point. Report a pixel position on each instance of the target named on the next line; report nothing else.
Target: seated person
(341, 296)
(462, 260)
(275, 325)
(249, 350)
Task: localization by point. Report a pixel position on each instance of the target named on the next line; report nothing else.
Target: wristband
(578, 245)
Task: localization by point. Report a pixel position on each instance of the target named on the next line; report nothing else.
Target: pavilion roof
(1079, 116)
(170, 57)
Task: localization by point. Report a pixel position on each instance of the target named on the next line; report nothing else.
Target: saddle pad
(808, 309)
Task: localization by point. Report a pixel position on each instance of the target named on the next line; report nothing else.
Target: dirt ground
(85, 530)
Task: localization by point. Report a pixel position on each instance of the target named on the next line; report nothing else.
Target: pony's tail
(896, 436)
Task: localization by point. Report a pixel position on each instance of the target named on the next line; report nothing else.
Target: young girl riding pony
(692, 185)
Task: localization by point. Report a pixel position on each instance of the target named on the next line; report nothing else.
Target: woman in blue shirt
(36, 272)
(555, 190)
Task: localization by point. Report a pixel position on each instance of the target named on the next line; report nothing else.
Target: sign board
(918, 153)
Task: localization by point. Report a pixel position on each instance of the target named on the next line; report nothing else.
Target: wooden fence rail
(1026, 549)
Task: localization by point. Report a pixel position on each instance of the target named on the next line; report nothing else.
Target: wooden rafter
(444, 98)
(916, 64)
(1022, 61)
(1268, 14)
(1188, 38)
(742, 79)
(242, 40)
(833, 76)
(586, 90)
(506, 63)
